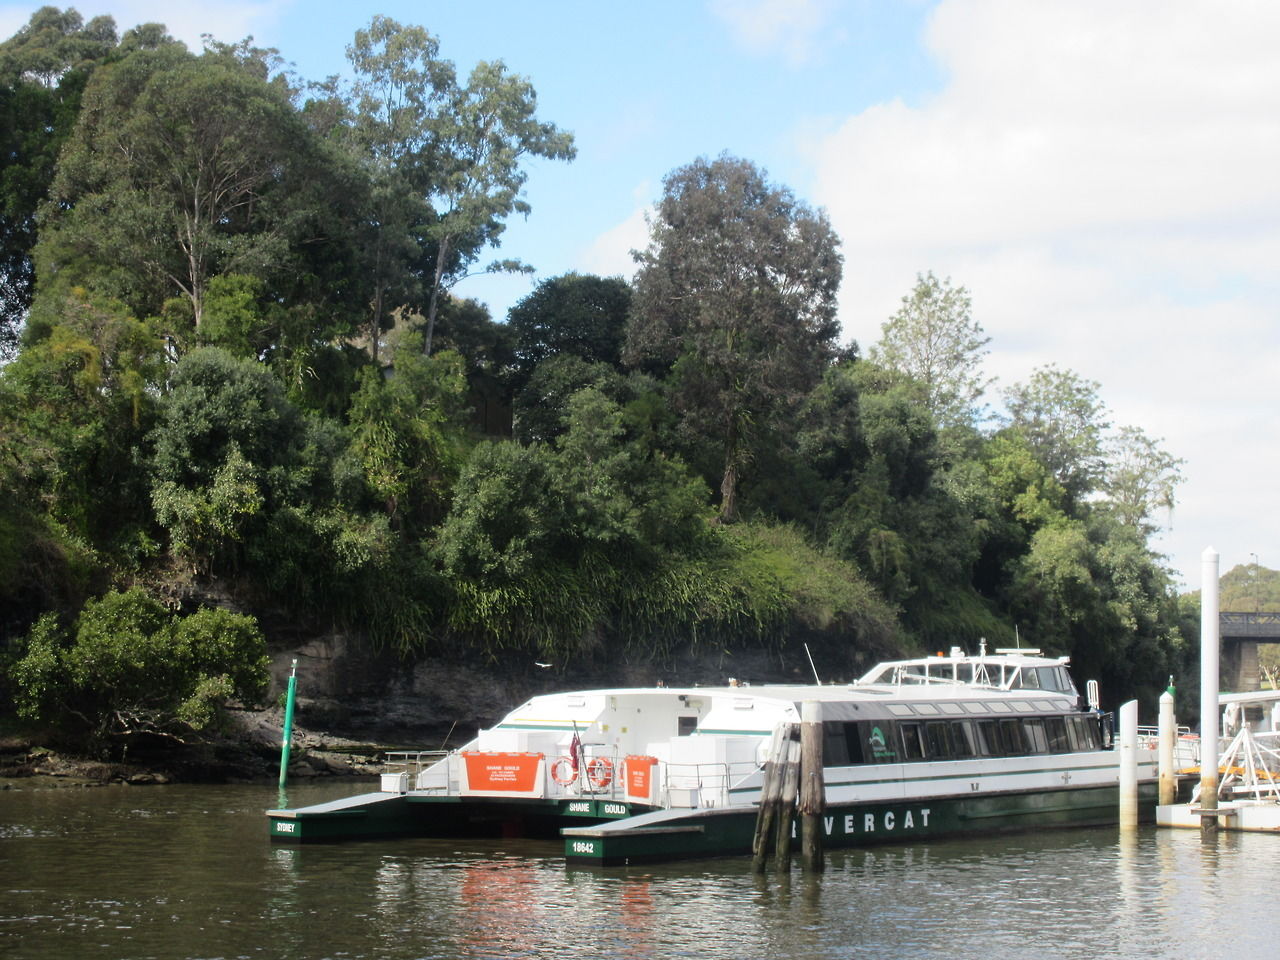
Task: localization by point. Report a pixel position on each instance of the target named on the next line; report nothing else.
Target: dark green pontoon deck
(432, 815)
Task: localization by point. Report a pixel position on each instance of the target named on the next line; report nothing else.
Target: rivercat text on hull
(920, 748)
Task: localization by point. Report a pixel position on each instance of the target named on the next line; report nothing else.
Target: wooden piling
(769, 791)
(784, 821)
(813, 793)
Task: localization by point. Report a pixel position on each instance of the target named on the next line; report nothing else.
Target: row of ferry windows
(896, 741)
(1012, 678)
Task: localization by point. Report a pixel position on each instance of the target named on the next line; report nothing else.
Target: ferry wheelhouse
(918, 748)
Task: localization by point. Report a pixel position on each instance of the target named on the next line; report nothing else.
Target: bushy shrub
(128, 667)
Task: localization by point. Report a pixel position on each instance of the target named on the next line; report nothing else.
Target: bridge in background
(1241, 634)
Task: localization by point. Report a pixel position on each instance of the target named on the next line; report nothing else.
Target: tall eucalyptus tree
(737, 291)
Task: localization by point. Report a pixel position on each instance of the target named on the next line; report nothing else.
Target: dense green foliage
(127, 668)
(736, 293)
(265, 388)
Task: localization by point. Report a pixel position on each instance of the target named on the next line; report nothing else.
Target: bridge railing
(1261, 624)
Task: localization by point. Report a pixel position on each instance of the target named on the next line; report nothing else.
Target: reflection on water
(188, 872)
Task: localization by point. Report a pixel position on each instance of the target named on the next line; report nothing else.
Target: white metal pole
(1168, 735)
(1209, 652)
(1129, 765)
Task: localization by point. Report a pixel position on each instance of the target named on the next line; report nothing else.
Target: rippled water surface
(188, 872)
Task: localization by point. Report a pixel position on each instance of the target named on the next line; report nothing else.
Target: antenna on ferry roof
(811, 666)
(1017, 637)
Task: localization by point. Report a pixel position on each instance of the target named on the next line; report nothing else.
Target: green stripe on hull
(729, 833)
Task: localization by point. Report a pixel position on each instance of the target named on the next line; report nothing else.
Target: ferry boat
(937, 746)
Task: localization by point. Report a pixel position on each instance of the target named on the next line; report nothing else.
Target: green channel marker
(288, 724)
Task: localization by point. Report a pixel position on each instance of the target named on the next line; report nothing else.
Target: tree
(43, 69)
(127, 668)
(54, 43)
(737, 290)
(478, 148)
(540, 407)
(576, 314)
(406, 433)
(934, 338)
(400, 86)
(227, 452)
(178, 170)
(619, 494)
(1140, 477)
(74, 407)
(505, 520)
(1063, 419)
(447, 158)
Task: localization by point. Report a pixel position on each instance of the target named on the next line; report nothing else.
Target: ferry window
(1084, 731)
(962, 740)
(1037, 740)
(992, 742)
(853, 744)
(1093, 727)
(1048, 678)
(686, 726)
(1056, 730)
(1028, 678)
(912, 742)
(835, 747)
(1014, 740)
(878, 740)
(939, 737)
(1073, 733)
(1093, 730)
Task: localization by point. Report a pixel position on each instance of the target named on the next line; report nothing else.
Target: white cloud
(795, 28)
(1102, 177)
(609, 254)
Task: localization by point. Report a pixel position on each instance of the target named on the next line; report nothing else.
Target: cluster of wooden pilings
(793, 786)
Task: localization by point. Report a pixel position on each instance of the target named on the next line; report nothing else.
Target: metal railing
(412, 763)
(678, 784)
(702, 784)
(1186, 746)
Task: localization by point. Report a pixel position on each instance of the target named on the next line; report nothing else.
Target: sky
(1103, 176)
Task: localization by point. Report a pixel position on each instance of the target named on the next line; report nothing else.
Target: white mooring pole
(1129, 765)
(1209, 647)
(1167, 735)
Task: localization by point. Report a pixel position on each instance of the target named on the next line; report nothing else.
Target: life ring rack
(559, 768)
(600, 772)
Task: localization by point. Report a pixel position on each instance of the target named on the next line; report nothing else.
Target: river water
(188, 872)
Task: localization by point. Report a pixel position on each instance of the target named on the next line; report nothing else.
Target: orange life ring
(600, 772)
(558, 773)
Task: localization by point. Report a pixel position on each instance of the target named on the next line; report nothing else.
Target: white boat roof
(910, 685)
(1250, 696)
